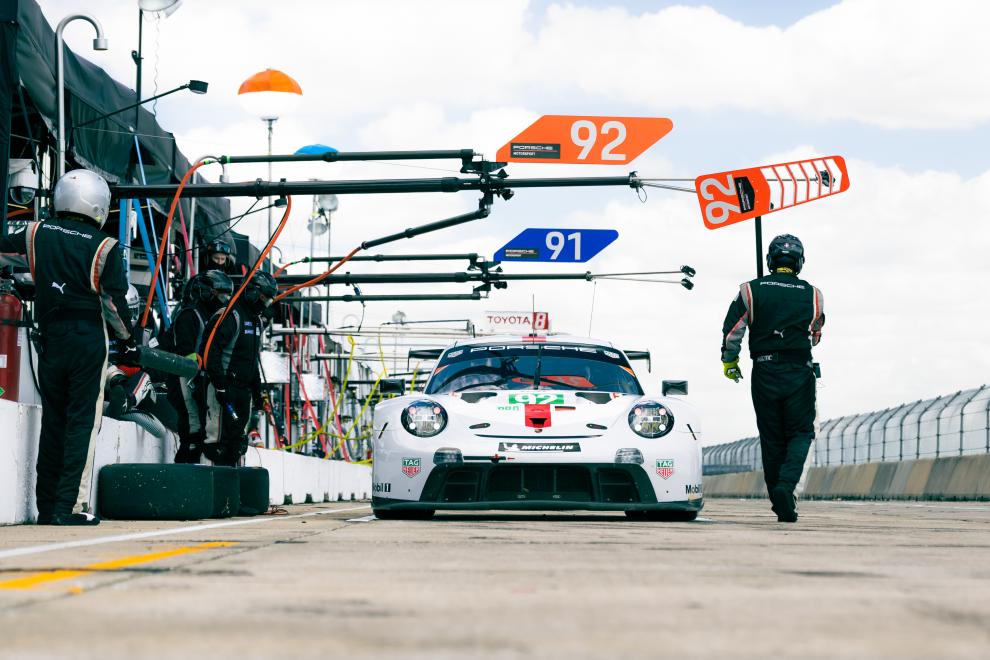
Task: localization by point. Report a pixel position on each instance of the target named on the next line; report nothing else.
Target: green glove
(732, 371)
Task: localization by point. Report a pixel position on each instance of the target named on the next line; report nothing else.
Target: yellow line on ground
(37, 579)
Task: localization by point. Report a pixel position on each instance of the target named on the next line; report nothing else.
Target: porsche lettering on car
(537, 423)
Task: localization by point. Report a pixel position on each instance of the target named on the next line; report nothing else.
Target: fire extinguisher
(11, 315)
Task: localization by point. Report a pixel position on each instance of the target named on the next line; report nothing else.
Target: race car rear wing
(640, 355)
(434, 354)
(425, 354)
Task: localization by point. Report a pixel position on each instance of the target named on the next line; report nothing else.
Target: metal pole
(271, 121)
(471, 256)
(354, 187)
(100, 43)
(349, 156)
(329, 232)
(759, 245)
(314, 211)
(137, 57)
(962, 416)
(987, 411)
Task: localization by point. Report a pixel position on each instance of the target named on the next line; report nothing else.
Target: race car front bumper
(539, 486)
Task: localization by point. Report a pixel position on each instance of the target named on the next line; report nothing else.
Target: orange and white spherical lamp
(270, 94)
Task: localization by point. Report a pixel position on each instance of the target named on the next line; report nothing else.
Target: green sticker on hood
(536, 397)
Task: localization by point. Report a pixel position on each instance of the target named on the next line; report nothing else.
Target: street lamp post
(167, 8)
(99, 43)
(268, 95)
(271, 122)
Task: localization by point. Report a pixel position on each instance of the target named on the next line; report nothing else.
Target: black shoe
(188, 454)
(74, 519)
(783, 505)
(116, 402)
(44, 519)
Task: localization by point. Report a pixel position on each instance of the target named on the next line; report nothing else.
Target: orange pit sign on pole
(585, 140)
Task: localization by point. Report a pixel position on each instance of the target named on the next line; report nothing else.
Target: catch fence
(949, 425)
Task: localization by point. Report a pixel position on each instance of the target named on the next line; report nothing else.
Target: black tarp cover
(108, 144)
(8, 86)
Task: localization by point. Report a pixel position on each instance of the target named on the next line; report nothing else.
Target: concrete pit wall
(950, 478)
(294, 478)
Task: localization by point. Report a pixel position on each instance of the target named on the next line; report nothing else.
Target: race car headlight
(424, 418)
(651, 419)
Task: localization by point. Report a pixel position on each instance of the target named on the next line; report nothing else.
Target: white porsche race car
(537, 423)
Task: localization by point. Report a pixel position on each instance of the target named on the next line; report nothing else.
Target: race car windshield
(528, 367)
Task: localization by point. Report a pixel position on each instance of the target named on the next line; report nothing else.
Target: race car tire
(254, 490)
(636, 515)
(155, 491)
(226, 492)
(149, 423)
(403, 514)
(671, 515)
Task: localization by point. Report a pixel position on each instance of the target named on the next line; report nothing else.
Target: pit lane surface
(849, 580)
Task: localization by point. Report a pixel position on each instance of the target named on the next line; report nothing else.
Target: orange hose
(281, 269)
(316, 280)
(164, 241)
(14, 214)
(247, 279)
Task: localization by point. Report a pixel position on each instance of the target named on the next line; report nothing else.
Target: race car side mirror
(392, 386)
(675, 387)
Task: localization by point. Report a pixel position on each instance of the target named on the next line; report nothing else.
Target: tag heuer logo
(411, 466)
(665, 468)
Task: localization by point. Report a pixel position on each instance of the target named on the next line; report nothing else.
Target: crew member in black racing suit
(81, 289)
(232, 367)
(203, 296)
(785, 316)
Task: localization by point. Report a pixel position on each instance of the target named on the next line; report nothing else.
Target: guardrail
(949, 425)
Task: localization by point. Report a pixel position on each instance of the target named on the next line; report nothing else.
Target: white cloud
(899, 256)
(919, 65)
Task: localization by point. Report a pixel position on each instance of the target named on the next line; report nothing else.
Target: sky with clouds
(899, 89)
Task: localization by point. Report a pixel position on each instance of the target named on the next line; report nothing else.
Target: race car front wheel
(403, 514)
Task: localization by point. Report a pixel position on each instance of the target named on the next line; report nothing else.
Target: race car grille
(513, 482)
(604, 483)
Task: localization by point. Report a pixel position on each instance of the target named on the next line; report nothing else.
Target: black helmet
(786, 251)
(262, 284)
(199, 289)
(220, 284)
(219, 245)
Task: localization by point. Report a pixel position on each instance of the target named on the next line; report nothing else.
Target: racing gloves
(732, 371)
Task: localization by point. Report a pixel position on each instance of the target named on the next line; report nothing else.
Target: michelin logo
(539, 446)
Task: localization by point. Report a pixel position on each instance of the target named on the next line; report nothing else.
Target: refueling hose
(164, 242)
(247, 278)
(316, 280)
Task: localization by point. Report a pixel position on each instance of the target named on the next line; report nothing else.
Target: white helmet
(83, 193)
